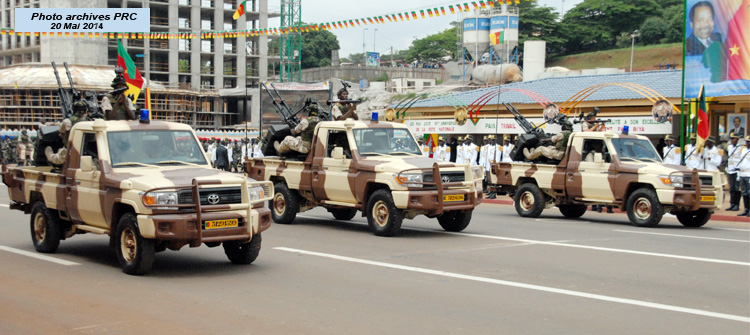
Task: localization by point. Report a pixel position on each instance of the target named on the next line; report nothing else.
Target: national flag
(430, 141)
(703, 129)
(381, 19)
(453, 10)
(240, 11)
(414, 15)
(481, 3)
(429, 12)
(421, 12)
(475, 5)
(357, 20)
(400, 17)
(738, 44)
(466, 7)
(497, 38)
(130, 72)
(442, 10)
(15, 84)
(491, 3)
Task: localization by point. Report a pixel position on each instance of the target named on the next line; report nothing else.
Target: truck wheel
(695, 218)
(343, 214)
(382, 215)
(454, 221)
(243, 253)
(46, 232)
(284, 205)
(135, 253)
(572, 211)
(644, 208)
(529, 201)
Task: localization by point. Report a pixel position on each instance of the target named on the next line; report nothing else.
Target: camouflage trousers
(546, 151)
(25, 151)
(294, 143)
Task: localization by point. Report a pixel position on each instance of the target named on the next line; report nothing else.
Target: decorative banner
(717, 47)
(639, 125)
(349, 23)
(662, 111)
(373, 59)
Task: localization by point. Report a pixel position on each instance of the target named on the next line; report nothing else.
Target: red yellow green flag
(703, 129)
(738, 44)
(130, 72)
(240, 11)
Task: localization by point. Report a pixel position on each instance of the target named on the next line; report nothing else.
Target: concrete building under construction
(195, 81)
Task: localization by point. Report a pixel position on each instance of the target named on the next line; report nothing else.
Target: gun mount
(278, 132)
(533, 133)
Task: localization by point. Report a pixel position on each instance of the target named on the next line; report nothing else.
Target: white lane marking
(686, 236)
(699, 259)
(568, 245)
(743, 230)
(4, 205)
(525, 286)
(38, 256)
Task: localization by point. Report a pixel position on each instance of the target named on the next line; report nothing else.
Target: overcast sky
(398, 35)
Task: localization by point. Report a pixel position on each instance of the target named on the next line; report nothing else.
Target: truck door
(334, 180)
(594, 171)
(85, 195)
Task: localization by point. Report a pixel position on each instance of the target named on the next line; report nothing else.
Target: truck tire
(455, 221)
(46, 232)
(243, 253)
(135, 253)
(382, 215)
(284, 205)
(695, 218)
(644, 208)
(343, 214)
(529, 201)
(572, 211)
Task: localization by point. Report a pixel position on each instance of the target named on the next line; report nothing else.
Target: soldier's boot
(735, 201)
(746, 199)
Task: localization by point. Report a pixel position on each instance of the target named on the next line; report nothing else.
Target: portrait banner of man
(716, 51)
(737, 123)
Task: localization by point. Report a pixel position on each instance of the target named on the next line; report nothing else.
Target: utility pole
(291, 43)
(632, 46)
(363, 46)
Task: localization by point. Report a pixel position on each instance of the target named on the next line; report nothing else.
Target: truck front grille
(446, 177)
(705, 180)
(217, 196)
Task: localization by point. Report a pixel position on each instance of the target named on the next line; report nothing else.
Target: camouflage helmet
(80, 105)
(567, 125)
(118, 81)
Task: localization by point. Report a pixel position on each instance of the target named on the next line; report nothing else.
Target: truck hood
(397, 164)
(145, 178)
(656, 168)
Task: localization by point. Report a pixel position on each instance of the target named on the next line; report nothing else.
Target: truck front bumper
(427, 201)
(690, 199)
(185, 228)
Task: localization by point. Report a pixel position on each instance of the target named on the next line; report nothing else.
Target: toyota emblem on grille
(213, 198)
(446, 179)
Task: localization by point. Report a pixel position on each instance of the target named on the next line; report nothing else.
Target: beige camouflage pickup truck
(149, 187)
(611, 169)
(373, 167)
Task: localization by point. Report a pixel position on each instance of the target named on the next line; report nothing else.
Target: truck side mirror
(337, 153)
(598, 158)
(87, 164)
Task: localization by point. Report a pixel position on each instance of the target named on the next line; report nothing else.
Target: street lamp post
(363, 46)
(373, 41)
(632, 47)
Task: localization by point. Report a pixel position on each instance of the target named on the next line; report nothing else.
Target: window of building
(206, 24)
(228, 47)
(184, 23)
(206, 3)
(206, 46)
(183, 45)
(228, 26)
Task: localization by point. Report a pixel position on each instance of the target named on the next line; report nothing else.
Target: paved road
(503, 274)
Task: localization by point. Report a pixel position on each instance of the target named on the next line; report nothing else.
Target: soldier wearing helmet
(123, 108)
(556, 151)
(304, 129)
(591, 124)
(343, 110)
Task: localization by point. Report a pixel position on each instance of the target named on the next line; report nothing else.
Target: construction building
(193, 80)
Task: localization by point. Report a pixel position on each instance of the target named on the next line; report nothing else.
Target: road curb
(715, 217)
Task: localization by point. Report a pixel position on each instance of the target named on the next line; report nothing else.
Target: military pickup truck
(148, 186)
(373, 167)
(611, 169)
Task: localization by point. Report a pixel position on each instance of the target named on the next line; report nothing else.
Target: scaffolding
(291, 43)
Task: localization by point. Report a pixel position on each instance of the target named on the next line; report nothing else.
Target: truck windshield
(632, 149)
(154, 147)
(385, 141)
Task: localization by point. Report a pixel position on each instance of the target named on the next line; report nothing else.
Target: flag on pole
(240, 11)
(703, 129)
(130, 72)
(497, 38)
(738, 44)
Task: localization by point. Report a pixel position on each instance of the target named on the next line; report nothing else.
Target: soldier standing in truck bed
(305, 130)
(123, 108)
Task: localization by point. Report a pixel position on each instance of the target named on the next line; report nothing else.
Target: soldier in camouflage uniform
(305, 130)
(123, 108)
(236, 157)
(24, 148)
(343, 111)
(80, 112)
(555, 151)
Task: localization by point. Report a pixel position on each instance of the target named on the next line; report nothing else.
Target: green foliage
(539, 23)
(434, 48)
(674, 17)
(652, 30)
(317, 47)
(382, 77)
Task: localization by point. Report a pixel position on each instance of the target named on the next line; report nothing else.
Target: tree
(652, 30)
(317, 47)
(539, 23)
(434, 48)
(674, 17)
(595, 24)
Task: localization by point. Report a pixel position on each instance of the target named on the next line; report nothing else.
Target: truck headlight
(478, 172)
(160, 198)
(673, 180)
(255, 193)
(407, 178)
